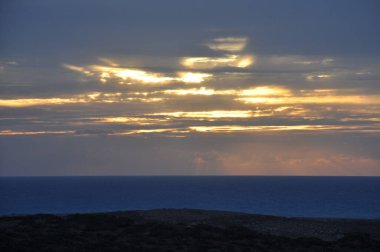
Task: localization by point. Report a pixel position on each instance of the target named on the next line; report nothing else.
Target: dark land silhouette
(185, 230)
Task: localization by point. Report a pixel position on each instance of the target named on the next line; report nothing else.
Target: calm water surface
(345, 197)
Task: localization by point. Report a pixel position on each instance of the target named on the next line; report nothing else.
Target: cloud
(316, 77)
(140, 120)
(84, 98)
(18, 133)
(39, 101)
(218, 62)
(189, 77)
(190, 91)
(264, 95)
(179, 92)
(208, 114)
(129, 76)
(228, 44)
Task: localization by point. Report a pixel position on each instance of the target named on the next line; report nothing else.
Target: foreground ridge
(185, 230)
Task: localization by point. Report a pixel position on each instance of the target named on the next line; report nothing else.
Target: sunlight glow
(131, 75)
(190, 91)
(130, 120)
(374, 99)
(77, 69)
(150, 131)
(128, 74)
(245, 62)
(94, 97)
(39, 101)
(217, 62)
(265, 91)
(189, 77)
(209, 114)
(235, 128)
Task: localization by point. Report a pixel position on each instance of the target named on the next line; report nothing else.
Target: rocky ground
(185, 230)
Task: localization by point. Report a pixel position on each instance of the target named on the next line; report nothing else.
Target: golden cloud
(94, 97)
(132, 75)
(208, 114)
(232, 60)
(131, 120)
(39, 101)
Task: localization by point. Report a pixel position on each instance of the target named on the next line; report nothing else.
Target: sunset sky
(191, 87)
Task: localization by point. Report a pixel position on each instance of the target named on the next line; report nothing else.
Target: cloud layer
(156, 75)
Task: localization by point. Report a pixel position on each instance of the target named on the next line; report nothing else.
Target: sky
(174, 87)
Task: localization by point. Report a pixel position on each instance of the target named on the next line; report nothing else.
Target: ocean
(337, 197)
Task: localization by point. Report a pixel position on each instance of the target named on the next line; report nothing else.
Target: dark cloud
(292, 27)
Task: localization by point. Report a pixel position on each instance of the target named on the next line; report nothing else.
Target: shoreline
(192, 209)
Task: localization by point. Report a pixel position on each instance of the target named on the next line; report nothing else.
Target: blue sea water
(342, 197)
